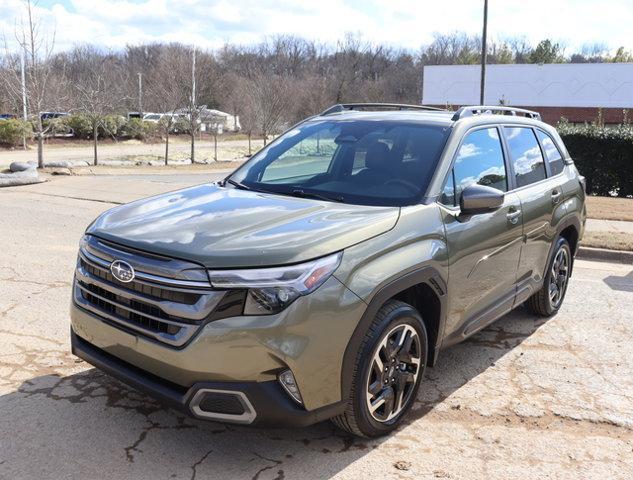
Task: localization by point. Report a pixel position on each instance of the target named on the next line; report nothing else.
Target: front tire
(388, 371)
(548, 300)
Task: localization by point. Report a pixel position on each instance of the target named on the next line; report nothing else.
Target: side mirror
(479, 199)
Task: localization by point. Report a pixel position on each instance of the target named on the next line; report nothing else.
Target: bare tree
(270, 97)
(37, 46)
(97, 88)
(238, 103)
(165, 90)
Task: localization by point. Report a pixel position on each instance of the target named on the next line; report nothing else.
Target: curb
(17, 179)
(604, 255)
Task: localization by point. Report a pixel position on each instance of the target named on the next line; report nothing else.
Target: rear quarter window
(526, 156)
(552, 154)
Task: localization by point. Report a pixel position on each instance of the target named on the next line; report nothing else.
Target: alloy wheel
(559, 276)
(393, 372)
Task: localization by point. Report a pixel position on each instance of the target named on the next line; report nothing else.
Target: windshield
(365, 162)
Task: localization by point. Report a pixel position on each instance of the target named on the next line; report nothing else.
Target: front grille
(163, 308)
(155, 292)
(113, 305)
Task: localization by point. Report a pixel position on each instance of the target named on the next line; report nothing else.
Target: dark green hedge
(603, 154)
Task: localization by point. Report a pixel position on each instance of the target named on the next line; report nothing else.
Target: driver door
(484, 248)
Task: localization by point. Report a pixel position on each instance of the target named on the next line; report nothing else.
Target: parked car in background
(52, 115)
(7, 116)
(321, 277)
(152, 117)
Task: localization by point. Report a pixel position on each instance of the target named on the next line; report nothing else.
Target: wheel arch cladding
(570, 233)
(425, 290)
(569, 229)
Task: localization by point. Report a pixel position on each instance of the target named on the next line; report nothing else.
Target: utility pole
(140, 94)
(484, 54)
(23, 76)
(193, 118)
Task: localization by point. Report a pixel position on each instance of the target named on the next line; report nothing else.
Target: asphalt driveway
(525, 398)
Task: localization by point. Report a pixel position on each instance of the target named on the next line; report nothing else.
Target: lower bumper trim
(268, 402)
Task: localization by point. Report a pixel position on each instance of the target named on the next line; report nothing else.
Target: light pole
(23, 81)
(193, 118)
(140, 94)
(484, 54)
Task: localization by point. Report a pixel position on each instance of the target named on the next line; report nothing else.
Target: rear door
(484, 248)
(540, 193)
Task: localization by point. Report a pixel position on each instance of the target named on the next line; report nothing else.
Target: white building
(573, 91)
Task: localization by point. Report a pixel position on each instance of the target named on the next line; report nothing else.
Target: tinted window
(555, 159)
(479, 160)
(354, 161)
(526, 156)
(307, 158)
(448, 194)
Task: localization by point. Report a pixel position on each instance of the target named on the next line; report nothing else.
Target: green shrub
(138, 129)
(111, 125)
(56, 126)
(12, 130)
(603, 154)
(182, 125)
(80, 125)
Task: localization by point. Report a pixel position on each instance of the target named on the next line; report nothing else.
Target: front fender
(413, 252)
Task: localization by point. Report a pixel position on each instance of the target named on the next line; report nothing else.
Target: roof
(439, 117)
(471, 115)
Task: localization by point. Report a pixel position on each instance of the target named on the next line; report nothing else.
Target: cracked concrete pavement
(525, 398)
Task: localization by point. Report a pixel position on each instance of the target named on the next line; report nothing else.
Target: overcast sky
(400, 23)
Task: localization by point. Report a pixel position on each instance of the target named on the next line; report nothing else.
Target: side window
(479, 160)
(448, 194)
(555, 159)
(526, 155)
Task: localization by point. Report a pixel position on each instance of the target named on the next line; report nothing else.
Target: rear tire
(387, 373)
(548, 300)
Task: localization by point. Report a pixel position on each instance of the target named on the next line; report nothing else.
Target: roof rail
(472, 110)
(341, 107)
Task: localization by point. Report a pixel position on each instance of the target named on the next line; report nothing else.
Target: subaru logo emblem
(122, 271)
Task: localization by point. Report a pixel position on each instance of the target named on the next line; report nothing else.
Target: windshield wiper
(299, 192)
(237, 184)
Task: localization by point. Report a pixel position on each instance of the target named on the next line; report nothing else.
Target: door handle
(556, 196)
(513, 217)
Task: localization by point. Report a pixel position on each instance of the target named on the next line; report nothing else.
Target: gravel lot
(526, 398)
(133, 150)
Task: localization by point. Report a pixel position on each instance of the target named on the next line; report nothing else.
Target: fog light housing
(287, 380)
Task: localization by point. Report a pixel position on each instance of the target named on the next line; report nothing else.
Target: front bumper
(309, 338)
(268, 404)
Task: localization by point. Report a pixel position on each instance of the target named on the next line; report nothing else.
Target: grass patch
(609, 240)
(610, 208)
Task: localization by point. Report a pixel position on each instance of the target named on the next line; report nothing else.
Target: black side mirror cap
(480, 198)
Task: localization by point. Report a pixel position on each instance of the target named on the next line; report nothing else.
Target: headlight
(270, 290)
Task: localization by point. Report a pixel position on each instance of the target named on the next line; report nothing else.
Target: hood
(226, 227)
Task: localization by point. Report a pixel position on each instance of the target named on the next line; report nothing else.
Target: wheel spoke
(376, 404)
(399, 400)
(378, 365)
(404, 353)
(375, 388)
(389, 402)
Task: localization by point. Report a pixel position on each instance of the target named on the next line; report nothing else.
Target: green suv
(319, 279)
